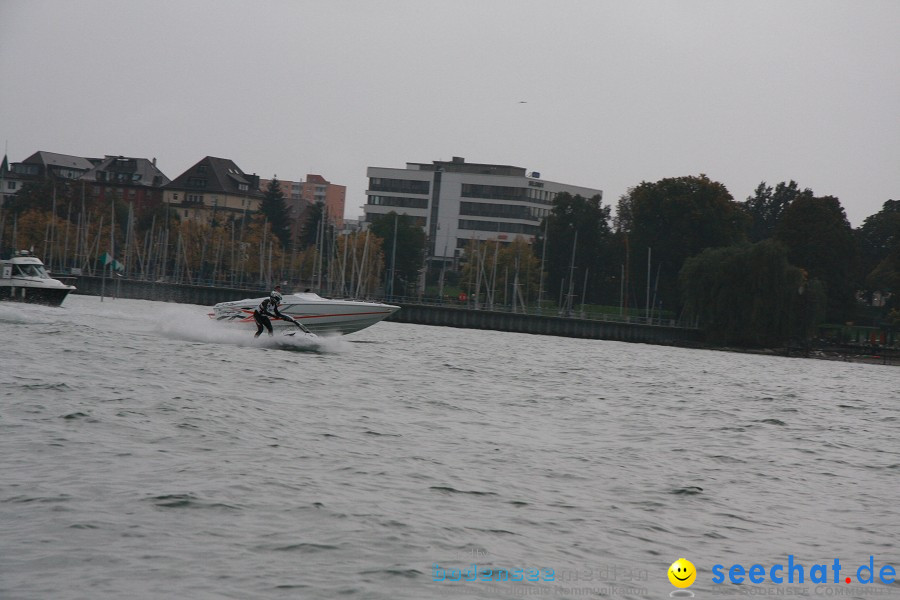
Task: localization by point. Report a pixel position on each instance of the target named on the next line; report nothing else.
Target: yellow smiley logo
(682, 573)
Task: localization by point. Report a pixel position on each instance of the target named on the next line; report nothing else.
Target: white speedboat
(23, 278)
(319, 315)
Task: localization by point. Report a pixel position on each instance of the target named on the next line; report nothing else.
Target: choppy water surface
(147, 453)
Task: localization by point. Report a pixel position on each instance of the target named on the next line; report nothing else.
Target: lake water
(146, 452)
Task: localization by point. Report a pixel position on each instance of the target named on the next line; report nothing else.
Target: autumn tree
(505, 270)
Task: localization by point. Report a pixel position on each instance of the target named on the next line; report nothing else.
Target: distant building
(351, 226)
(317, 189)
(47, 165)
(455, 201)
(213, 188)
(296, 204)
(135, 180)
(41, 166)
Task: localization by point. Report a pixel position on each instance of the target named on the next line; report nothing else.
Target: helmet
(276, 297)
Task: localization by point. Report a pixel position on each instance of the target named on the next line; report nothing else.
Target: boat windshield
(32, 271)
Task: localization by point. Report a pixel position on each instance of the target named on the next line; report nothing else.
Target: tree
(766, 206)
(819, 239)
(749, 295)
(676, 218)
(515, 263)
(312, 219)
(590, 219)
(275, 210)
(410, 249)
(879, 240)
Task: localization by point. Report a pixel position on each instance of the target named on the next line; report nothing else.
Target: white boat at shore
(319, 315)
(23, 278)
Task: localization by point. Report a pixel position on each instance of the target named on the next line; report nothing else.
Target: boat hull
(322, 316)
(51, 296)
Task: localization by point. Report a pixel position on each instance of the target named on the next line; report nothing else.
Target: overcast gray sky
(615, 92)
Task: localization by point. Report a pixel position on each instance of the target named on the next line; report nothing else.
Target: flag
(107, 259)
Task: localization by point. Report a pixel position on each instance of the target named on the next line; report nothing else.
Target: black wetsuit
(267, 308)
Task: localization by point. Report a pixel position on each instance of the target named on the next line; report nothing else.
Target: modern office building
(455, 201)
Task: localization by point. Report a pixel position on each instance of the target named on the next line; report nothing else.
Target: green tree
(675, 218)
(590, 219)
(410, 250)
(749, 295)
(766, 206)
(879, 239)
(819, 239)
(312, 219)
(275, 210)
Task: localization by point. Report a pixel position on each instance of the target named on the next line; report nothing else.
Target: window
(196, 182)
(201, 170)
(11, 185)
(243, 187)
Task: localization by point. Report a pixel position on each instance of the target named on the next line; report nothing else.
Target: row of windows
(399, 186)
(398, 201)
(502, 192)
(503, 211)
(132, 193)
(120, 177)
(24, 169)
(542, 196)
(196, 182)
(463, 243)
(494, 192)
(496, 226)
(417, 221)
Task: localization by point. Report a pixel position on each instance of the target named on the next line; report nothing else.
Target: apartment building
(213, 187)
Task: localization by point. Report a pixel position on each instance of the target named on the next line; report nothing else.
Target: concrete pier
(450, 316)
(421, 314)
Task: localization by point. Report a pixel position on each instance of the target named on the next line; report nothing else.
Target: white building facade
(456, 202)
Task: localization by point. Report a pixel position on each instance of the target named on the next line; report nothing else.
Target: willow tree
(750, 295)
